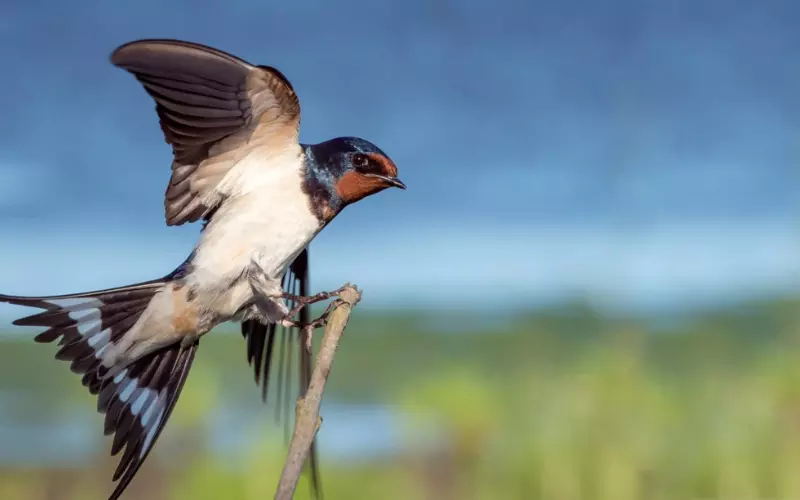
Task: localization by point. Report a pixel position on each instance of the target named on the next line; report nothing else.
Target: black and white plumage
(238, 166)
(137, 401)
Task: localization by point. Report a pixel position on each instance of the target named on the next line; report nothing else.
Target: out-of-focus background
(590, 290)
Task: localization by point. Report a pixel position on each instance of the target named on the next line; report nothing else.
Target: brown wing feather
(210, 104)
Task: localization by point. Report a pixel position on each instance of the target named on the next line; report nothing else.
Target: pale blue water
(76, 435)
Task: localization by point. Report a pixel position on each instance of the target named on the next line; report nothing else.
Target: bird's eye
(360, 160)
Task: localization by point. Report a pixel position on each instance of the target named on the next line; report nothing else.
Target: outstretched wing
(261, 340)
(214, 108)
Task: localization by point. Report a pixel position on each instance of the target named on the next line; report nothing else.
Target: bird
(261, 197)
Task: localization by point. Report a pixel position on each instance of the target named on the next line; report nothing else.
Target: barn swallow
(262, 196)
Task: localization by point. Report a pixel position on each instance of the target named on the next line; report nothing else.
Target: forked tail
(138, 400)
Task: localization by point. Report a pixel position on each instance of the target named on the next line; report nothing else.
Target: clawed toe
(302, 301)
(288, 322)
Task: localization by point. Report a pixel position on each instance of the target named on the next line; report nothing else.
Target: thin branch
(308, 420)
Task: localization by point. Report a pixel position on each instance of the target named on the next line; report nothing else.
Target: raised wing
(213, 108)
(261, 340)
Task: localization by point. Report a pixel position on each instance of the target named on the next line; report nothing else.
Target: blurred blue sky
(639, 153)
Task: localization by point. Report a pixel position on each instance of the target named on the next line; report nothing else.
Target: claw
(308, 328)
(303, 301)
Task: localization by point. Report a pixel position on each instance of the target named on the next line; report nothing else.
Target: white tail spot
(99, 355)
(85, 318)
(100, 338)
(151, 433)
(136, 408)
(149, 413)
(76, 303)
(119, 376)
(128, 391)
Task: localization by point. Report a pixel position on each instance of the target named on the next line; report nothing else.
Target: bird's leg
(267, 303)
(302, 301)
(267, 295)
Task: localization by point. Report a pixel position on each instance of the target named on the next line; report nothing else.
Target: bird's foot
(302, 301)
(308, 328)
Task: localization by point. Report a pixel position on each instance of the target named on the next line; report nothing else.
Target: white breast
(267, 218)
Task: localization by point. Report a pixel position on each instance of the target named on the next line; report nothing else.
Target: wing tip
(118, 55)
(130, 52)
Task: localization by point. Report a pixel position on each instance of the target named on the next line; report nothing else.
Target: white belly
(270, 225)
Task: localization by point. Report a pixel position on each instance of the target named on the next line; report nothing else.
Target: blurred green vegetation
(556, 404)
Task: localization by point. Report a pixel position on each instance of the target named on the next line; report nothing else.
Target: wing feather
(209, 104)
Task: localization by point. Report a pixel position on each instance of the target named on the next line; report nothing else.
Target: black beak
(392, 181)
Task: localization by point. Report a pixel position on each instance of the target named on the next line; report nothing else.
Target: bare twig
(308, 420)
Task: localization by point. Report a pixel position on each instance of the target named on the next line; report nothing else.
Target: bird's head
(355, 168)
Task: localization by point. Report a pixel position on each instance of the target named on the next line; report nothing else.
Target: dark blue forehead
(347, 145)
